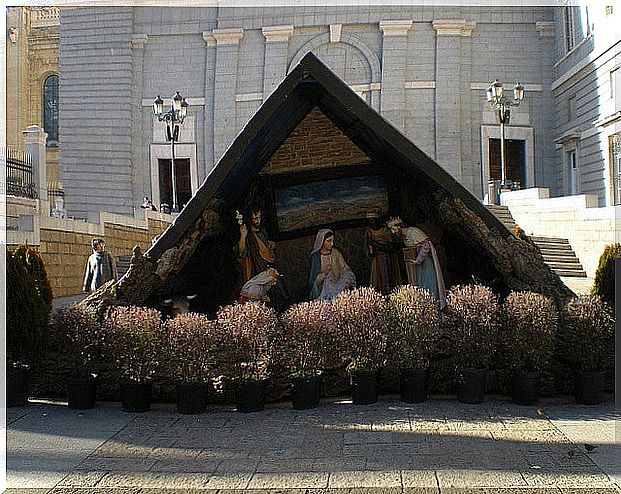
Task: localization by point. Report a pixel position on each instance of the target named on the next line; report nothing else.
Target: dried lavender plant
(193, 341)
(82, 336)
(587, 333)
(311, 338)
(472, 315)
(529, 325)
(360, 316)
(414, 317)
(136, 341)
(252, 339)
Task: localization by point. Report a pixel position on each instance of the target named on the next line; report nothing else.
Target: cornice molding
(546, 29)
(228, 36)
(208, 38)
(395, 28)
(277, 34)
(453, 27)
(139, 40)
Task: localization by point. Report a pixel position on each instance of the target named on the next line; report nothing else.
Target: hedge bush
(27, 314)
(604, 284)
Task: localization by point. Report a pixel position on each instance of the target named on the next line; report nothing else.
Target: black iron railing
(19, 176)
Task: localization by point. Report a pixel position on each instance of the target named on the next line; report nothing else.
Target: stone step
(569, 257)
(122, 265)
(548, 240)
(574, 265)
(553, 246)
(570, 273)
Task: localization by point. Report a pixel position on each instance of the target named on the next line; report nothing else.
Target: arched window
(50, 109)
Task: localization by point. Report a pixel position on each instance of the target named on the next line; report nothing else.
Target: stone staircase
(557, 253)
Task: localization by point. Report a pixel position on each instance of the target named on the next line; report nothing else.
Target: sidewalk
(389, 447)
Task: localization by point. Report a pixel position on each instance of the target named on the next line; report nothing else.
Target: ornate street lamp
(499, 102)
(173, 118)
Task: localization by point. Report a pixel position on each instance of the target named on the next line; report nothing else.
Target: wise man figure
(382, 247)
(421, 260)
(254, 251)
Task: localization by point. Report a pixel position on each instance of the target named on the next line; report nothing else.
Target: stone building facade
(32, 75)
(424, 69)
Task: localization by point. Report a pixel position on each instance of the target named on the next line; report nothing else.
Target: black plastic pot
(135, 397)
(306, 392)
(16, 386)
(250, 395)
(589, 387)
(414, 385)
(525, 387)
(364, 387)
(471, 385)
(81, 393)
(191, 397)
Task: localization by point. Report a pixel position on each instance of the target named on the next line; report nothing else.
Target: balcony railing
(19, 176)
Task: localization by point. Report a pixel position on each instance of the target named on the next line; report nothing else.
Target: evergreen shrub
(604, 284)
(27, 315)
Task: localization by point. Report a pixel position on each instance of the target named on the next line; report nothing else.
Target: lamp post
(173, 118)
(502, 105)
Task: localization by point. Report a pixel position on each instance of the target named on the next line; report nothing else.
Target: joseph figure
(255, 251)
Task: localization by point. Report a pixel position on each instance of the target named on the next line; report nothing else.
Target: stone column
(227, 59)
(394, 46)
(208, 113)
(450, 84)
(141, 182)
(275, 65)
(34, 144)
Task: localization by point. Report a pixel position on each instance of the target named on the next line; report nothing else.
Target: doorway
(516, 160)
(183, 182)
(572, 173)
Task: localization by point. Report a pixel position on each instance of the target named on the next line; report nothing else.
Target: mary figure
(329, 273)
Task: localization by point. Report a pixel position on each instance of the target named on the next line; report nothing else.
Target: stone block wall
(315, 143)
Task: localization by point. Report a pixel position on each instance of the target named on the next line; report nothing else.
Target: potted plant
(587, 340)
(81, 335)
(360, 316)
(191, 340)
(414, 316)
(136, 338)
(471, 319)
(310, 339)
(251, 336)
(529, 324)
(27, 327)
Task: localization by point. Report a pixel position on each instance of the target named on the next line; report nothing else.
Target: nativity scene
(319, 194)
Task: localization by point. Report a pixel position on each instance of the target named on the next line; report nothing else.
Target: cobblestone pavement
(440, 446)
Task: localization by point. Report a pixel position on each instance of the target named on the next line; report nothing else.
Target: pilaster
(140, 175)
(394, 48)
(208, 113)
(34, 144)
(275, 65)
(453, 47)
(227, 61)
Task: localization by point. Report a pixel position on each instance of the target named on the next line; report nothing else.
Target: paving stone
(154, 480)
(300, 480)
(229, 481)
(227, 466)
(116, 464)
(418, 478)
(567, 479)
(478, 478)
(82, 478)
(365, 479)
(184, 465)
